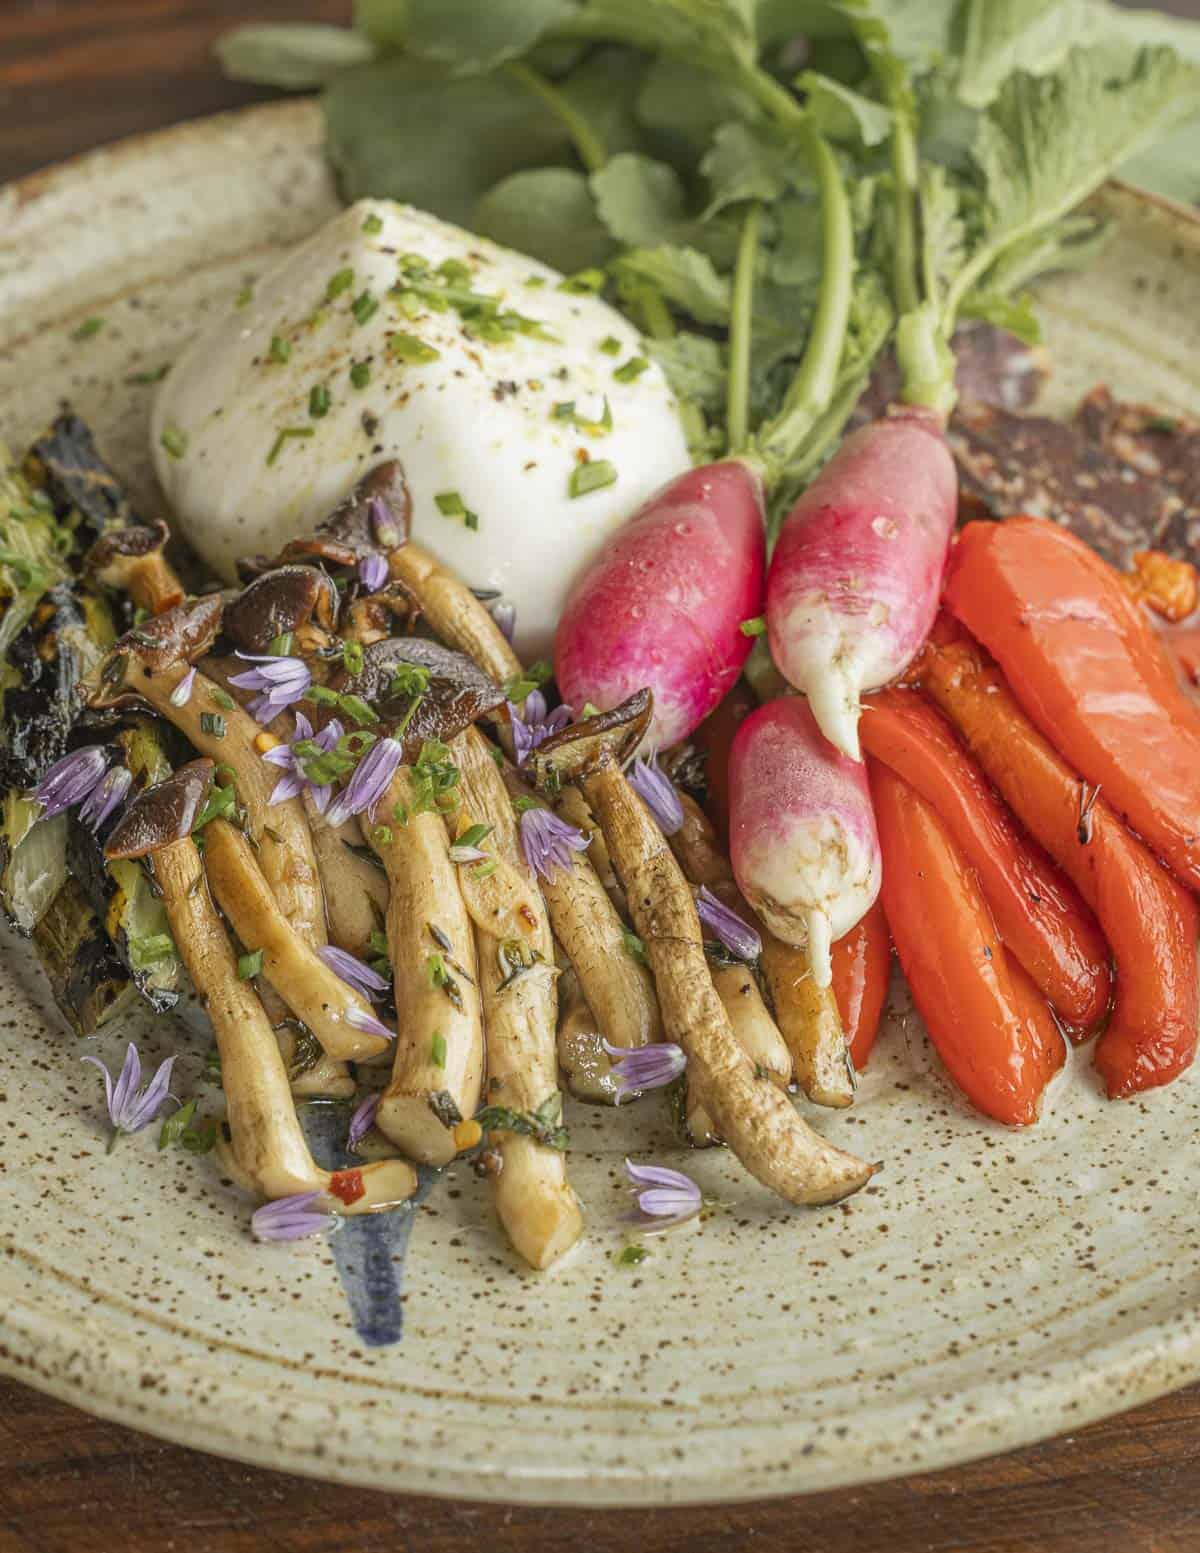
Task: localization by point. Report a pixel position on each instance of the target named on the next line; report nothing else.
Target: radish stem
(813, 385)
(741, 324)
(904, 174)
(590, 148)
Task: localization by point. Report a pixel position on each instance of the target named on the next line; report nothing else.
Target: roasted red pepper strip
(862, 962)
(1038, 912)
(995, 1039)
(1150, 921)
(1086, 664)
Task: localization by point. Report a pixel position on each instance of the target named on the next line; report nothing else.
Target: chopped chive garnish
(364, 307)
(221, 698)
(407, 347)
(212, 723)
(450, 504)
(755, 627)
(174, 441)
(281, 646)
(154, 375)
(321, 694)
(373, 225)
(408, 302)
(631, 1256)
(610, 345)
(358, 710)
(631, 369)
(381, 835)
(634, 947)
(319, 401)
(250, 965)
(437, 1050)
(473, 835)
(244, 297)
(352, 657)
(413, 263)
(88, 329)
(566, 411)
(360, 374)
(592, 476)
(340, 281)
(281, 349)
(583, 282)
(150, 950)
(534, 281)
(455, 272)
(288, 434)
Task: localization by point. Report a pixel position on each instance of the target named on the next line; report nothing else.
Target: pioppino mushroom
(267, 1150)
(752, 1114)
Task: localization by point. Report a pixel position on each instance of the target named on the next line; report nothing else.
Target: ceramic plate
(988, 1288)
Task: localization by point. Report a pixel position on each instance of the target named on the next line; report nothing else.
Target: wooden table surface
(74, 73)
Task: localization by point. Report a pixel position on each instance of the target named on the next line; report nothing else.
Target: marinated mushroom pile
(336, 803)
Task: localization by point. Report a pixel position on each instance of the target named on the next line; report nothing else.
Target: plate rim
(1131, 1370)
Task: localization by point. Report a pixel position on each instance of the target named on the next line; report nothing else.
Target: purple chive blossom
(350, 969)
(362, 1121)
(645, 1067)
(361, 1019)
(664, 1197)
(130, 1107)
(290, 1218)
(280, 681)
(182, 693)
(737, 936)
(532, 724)
(284, 756)
(371, 779)
(373, 572)
(71, 779)
(106, 797)
(505, 616)
(388, 533)
(548, 842)
(657, 792)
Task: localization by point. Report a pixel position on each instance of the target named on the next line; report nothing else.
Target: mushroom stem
(355, 888)
(753, 1115)
(533, 1197)
(585, 1064)
(438, 1071)
(806, 1016)
(267, 1150)
(279, 831)
(616, 987)
(319, 999)
(453, 612)
(571, 807)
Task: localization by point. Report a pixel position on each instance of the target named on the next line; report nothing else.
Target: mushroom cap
(457, 694)
(164, 813)
(350, 531)
(109, 558)
(608, 739)
(179, 635)
(285, 599)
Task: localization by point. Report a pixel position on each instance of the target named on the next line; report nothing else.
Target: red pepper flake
(347, 1185)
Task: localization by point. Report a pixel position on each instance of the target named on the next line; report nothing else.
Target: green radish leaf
(291, 55)
(696, 369)
(1016, 314)
(843, 114)
(471, 38)
(1048, 141)
(997, 37)
(685, 277)
(747, 163)
(943, 235)
(604, 90)
(682, 105)
(402, 129)
(640, 201)
(548, 212)
(385, 22)
(796, 258)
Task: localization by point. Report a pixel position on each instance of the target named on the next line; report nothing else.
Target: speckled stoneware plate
(989, 1288)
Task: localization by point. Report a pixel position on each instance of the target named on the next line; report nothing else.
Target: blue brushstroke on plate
(369, 1251)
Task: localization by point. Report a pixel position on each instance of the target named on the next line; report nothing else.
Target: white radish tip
(835, 705)
(820, 938)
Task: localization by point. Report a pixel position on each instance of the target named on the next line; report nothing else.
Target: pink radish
(853, 585)
(663, 604)
(801, 830)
